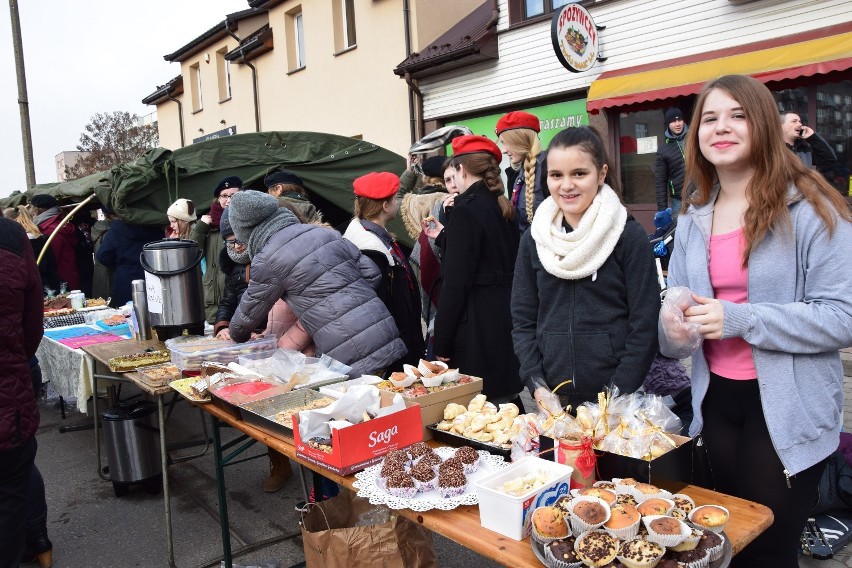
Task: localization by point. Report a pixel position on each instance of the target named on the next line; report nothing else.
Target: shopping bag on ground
(348, 532)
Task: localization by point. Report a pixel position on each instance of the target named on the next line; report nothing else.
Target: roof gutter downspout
(253, 78)
(412, 118)
(171, 97)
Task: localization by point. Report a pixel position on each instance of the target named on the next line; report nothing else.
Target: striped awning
(801, 55)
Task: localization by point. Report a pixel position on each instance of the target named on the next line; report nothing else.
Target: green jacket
(210, 242)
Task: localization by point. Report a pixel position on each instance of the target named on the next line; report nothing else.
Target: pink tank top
(730, 358)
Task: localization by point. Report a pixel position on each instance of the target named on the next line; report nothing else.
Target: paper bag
(580, 456)
(332, 539)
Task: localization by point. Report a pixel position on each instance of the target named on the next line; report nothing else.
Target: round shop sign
(575, 38)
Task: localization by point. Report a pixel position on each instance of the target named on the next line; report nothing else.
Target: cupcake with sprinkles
(424, 476)
(452, 482)
(469, 457)
(432, 460)
(417, 451)
(389, 468)
(401, 485)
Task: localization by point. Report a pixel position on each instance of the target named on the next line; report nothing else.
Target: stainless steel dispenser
(173, 287)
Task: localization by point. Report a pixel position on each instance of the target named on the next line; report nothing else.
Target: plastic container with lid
(189, 351)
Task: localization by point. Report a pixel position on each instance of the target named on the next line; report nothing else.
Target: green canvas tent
(140, 191)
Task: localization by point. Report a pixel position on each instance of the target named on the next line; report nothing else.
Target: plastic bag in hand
(683, 338)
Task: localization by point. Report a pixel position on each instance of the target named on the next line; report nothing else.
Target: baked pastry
(666, 531)
(418, 450)
(639, 553)
(451, 463)
(690, 542)
(665, 525)
(713, 517)
(646, 488)
(548, 523)
(432, 460)
(596, 548)
(587, 513)
(424, 477)
(683, 503)
(562, 504)
(469, 457)
(687, 557)
(629, 481)
(654, 506)
(451, 482)
(713, 543)
(401, 485)
(622, 516)
(608, 485)
(626, 499)
(562, 550)
(600, 493)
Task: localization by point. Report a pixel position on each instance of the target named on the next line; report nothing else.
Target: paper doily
(366, 485)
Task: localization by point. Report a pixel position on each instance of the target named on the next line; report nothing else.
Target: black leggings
(745, 464)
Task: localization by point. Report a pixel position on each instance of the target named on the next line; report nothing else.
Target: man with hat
(64, 245)
(670, 166)
(289, 188)
(376, 204)
(206, 233)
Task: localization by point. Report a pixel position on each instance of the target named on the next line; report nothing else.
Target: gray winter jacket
(329, 285)
(798, 315)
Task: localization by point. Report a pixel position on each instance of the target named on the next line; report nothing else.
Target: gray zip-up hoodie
(798, 315)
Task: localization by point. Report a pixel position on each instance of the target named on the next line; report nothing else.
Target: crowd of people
(545, 283)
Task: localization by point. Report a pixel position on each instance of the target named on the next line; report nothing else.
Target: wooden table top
(462, 524)
(103, 352)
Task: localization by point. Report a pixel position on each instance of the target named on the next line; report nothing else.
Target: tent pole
(62, 224)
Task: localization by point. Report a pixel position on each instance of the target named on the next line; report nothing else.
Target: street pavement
(90, 527)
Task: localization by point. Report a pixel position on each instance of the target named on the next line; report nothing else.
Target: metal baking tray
(261, 413)
(452, 439)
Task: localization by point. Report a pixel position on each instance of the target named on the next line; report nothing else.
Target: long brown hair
(525, 142)
(26, 220)
(484, 165)
(775, 166)
(589, 140)
(369, 209)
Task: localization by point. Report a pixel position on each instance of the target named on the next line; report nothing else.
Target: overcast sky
(85, 57)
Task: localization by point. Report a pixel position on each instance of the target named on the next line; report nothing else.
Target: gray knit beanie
(225, 229)
(248, 209)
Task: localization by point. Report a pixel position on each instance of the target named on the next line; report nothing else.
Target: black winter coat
(474, 325)
(21, 316)
(669, 170)
(398, 290)
(120, 249)
(236, 282)
(596, 330)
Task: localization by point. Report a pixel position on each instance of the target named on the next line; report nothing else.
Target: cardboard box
(672, 470)
(510, 515)
(432, 405)
(361, 445)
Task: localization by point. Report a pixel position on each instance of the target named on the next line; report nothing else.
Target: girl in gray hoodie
(763, 247)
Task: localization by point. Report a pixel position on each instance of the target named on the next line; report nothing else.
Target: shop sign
(552, 118)
(575, 38)
(230, 131)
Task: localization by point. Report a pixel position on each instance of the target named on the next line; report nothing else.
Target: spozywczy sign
(575, 38)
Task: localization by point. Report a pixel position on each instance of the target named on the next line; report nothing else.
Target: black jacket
(474, 325)
(121, 246)
(596, 330)
(669, 169)
(236, 282)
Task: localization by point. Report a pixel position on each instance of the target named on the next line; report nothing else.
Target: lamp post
(23, 102)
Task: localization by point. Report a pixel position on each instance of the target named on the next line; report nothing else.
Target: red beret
(517, 119)
(471, 143)
(376, 185)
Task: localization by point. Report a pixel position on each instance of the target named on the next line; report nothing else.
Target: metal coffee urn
(173, 287)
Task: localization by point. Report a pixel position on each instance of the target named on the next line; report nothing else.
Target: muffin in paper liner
(603, 536)
(683, 502)
(402, 492)
(608, 485)
(579, 525)
(624, 485)
(641, 496)
(607, 495)
(693, 558)
(553, 562)
(646, 507)
(678, 514)
(690, 542)
(469, 457)
(697, 514)
(714, 543)
(655, 553)
(666, 539)
(623, 533)
(545, 540)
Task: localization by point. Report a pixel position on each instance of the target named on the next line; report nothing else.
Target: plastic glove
(684, 338)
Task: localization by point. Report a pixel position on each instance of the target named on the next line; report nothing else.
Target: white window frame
(345, 6)
(299, 31)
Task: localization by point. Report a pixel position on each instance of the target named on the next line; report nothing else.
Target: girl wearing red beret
(473, 328)
(517, 132)
(376, 205)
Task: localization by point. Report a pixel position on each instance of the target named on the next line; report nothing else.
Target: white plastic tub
(510, 515)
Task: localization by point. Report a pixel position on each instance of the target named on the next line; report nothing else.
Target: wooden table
(462, 525)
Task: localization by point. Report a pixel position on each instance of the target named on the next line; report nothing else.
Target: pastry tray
(452, 439)
(161, 357)
(261, 413)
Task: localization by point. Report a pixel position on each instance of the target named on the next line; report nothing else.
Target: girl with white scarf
(585, 298)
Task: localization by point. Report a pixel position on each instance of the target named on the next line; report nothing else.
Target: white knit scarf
(578, 254)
